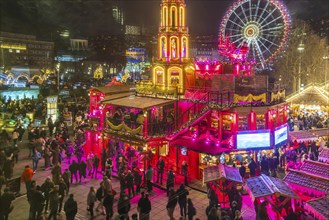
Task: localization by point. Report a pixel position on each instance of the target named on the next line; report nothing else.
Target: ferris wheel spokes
(242, 9)
(235, 23)
(239, 18)
(267, 17)
(261, 15)
(272, 43)
(257, 9)
(272, 21)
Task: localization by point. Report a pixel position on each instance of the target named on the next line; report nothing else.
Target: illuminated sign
(13, 46)
(52, 99)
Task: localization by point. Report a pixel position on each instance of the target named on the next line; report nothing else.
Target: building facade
(25, 50)
(173, 67)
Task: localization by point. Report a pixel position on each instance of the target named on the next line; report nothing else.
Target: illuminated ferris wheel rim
(251, 28)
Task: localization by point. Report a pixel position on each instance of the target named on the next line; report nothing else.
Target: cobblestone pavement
(158, 197)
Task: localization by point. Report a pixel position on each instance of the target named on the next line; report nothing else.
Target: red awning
(200, 146)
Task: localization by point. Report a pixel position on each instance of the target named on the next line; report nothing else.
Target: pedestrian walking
(66, 177)
(191, 210)
(144, 207)
(53, 202)
(137, 180)
(46, 188)
(108, 167)
(148, 178)
(100, 196)
(35, 160)
(26, 177)
(124, 206)
(89, 161)
(6, 204)
(91, 199)
(74, 167)
(56, 173)
(95, 166)
(82, 170)
(70, 208)
(171, 204)
(62, 191)
(108, 204)
(37, 202)
(170, 181)
(129, 179)
(182, 194)
(160, 166)
(185, 171)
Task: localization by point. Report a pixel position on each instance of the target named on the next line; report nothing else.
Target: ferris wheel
(262, 24)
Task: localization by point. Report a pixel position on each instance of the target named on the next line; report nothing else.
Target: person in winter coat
(191, 210)
(37, 202)
(137, 180)
(144, 207)
(130, 183)
(124, 206)
(82, 170)
(6, 204)
(56, 173)
(148, 178)
(95, 166)
(46, 188)
(172, 202)
(182, 194)
(53, 202)
(74, 167)
(91, 199)
(70, 208)
(170, 181)
(108, 204)
(27, 177)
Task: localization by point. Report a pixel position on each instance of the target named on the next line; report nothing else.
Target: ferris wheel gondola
(263, 25)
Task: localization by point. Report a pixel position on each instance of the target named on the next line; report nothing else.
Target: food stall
(221, 177)
(319, 208)
(274, 191)
(324, 155)
(302, 136)
(310, 181)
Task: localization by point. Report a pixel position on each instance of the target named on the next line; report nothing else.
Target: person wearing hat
(182, 194)
(70, 208)
(129, 178)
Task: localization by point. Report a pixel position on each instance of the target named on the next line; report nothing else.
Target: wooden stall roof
(320, 132)
(302, 136)
(221, 172)
(262, 186)
(319, 206)
(324, 154)
(139, 102)
(311, 95)
(114, 89)
(307, 180)
(117, 96)
(315, 168)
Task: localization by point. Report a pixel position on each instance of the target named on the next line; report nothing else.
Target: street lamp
(300, 49)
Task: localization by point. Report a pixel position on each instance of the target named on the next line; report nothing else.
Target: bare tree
(302, 61)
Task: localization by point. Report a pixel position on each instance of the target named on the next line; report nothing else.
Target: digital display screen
(253, 139)
(280, 134)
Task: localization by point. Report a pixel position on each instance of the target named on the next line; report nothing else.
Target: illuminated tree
(302, 59)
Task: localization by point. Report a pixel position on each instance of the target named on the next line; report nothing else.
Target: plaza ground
(158, 197)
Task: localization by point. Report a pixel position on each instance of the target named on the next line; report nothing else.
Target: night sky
(87, 17)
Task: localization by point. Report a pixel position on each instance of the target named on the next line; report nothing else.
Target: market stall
(222, 177)
(302, 136)
(310, 181)
(319, 208)
(274, 191)
(324, 155)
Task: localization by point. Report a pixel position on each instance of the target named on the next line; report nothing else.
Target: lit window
(18, 51)
(10, 50)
